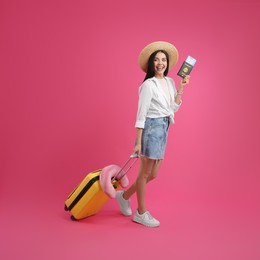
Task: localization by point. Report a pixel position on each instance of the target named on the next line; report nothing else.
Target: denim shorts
(154, 137)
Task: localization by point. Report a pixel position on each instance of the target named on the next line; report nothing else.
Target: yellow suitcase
(88, 197)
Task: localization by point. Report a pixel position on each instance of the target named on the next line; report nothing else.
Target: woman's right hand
(137, 149)
(138, 141)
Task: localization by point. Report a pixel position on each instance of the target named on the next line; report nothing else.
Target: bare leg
(147, 172)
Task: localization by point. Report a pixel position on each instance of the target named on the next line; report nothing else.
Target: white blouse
(153, 101)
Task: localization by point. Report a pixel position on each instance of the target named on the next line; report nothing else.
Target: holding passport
(186, 67)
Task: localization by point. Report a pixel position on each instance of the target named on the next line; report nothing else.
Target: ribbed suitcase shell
(88, 197)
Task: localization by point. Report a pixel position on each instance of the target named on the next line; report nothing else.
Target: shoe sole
(144, 224)
(127, 215)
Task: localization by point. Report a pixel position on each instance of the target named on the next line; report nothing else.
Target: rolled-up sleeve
(175, 106)
(145, 97)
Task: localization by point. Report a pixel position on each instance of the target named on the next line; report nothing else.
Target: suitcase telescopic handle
(133, 158)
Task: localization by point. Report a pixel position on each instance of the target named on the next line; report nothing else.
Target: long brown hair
(150, 68)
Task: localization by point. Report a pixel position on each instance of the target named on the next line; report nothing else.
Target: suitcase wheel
(66, 208)
(73, 218)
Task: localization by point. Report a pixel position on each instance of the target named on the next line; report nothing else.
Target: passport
(186, 67)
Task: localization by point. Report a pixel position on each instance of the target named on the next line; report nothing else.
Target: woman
(158, 101)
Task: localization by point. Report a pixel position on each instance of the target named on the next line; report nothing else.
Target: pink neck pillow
(107, 174)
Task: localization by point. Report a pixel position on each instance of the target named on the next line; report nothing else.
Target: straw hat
(155, 46)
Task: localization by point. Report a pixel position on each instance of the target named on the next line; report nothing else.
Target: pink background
(69, 80)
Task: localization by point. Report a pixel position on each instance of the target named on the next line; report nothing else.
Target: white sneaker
(146, 219)
(123, 203)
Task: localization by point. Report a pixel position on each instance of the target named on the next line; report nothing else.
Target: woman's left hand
(185, 81)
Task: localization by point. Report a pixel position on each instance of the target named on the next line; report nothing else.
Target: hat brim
(155, 46)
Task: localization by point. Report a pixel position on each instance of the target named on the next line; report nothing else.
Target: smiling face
(160, 64)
